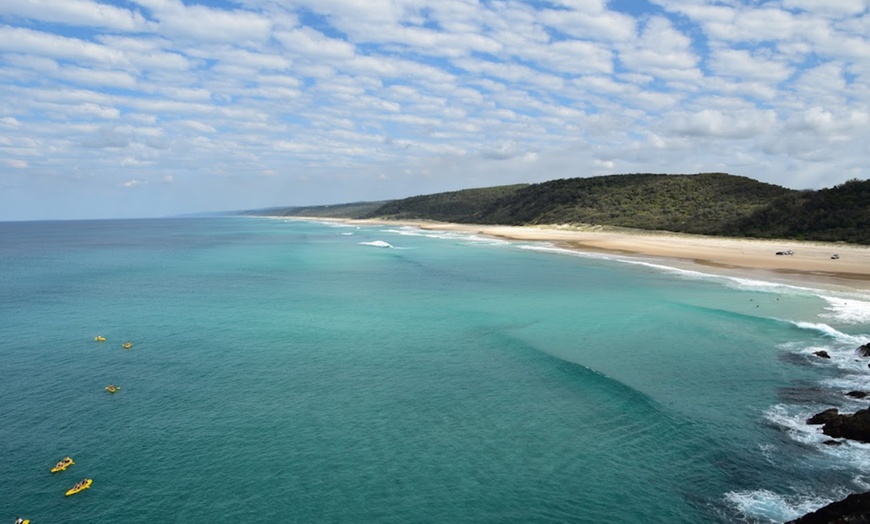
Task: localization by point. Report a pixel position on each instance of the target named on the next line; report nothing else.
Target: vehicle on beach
(835, 256)
(789, 252)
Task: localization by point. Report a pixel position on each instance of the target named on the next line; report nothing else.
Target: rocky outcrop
(864, 350)
(857, 394)
(854, 509)
(855, 426)
(822, 354)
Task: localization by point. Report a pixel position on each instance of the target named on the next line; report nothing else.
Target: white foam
(847, 310)
(773, 507)
(849, 454)
(850, 382)
(793, 419)
(377, 243)
(548, 248)
(828, 331)
(446, 235)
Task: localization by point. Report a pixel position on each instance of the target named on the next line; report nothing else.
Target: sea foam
(773, 507)
(377, 243)
(847, 310)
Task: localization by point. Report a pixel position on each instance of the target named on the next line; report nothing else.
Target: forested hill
(707, 203)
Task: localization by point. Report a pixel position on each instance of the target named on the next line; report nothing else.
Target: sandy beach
(811, 264)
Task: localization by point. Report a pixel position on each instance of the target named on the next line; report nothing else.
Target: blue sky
(158, 107)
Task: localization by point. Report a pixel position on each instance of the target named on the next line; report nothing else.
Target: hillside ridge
(704, 203)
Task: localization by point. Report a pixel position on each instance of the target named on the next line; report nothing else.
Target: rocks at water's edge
(855, 426)
(828, 415)
(854, 509)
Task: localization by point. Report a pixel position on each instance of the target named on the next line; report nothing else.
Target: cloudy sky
(155, 107)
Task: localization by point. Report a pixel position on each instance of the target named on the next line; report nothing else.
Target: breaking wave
(768, 506)
(377, 243)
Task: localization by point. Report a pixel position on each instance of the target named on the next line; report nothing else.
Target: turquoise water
(307, 372)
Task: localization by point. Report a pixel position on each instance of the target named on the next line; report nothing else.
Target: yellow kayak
(127, 345)
(100, 338)
(112, 389)
(83, 487)
(67, 462)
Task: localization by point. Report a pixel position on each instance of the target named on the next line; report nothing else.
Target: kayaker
(19, 520)
(60, 464)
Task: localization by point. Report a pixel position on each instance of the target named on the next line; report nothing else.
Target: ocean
(292, 371)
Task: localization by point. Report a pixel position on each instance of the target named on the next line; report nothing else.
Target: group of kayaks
(79, 486)
(111, 388)
(63, 465)
(125, 345)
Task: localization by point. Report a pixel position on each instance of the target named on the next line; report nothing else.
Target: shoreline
(810, 265)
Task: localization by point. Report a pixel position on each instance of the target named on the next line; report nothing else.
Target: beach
(810, 263)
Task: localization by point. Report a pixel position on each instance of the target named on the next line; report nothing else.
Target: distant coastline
(811, 264)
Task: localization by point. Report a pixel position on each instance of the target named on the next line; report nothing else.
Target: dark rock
(828, 415)
(854, 509)
(857, 394)
(823, 354)
(854, 427)
(864, 350)
(832, 442)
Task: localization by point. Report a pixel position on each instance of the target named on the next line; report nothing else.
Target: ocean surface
(288, 371)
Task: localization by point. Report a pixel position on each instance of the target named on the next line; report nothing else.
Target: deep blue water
(308, 372)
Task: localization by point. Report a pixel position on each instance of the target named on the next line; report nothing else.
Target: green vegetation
(840, 213)
(704, 203)
(352, 210)
(707, 203)
(464, 206)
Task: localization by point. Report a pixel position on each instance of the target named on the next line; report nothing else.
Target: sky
(145, 108)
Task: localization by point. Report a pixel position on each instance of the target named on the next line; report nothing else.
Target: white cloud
(75, 12)
(16, 163)
(744, 65)
(570, 56)
(310, 43)
(827, 7)
(716, 123)
(451, 92)
(662, 51)
(28, 41)
(597, 25)
(205, 24)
